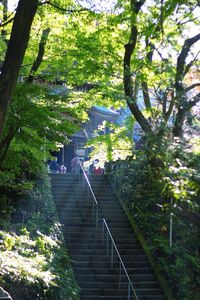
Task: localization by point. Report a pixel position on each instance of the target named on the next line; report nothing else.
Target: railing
(95, 207)
(108, 233)
(121, 264)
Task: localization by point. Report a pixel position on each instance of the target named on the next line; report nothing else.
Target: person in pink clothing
(75, 165)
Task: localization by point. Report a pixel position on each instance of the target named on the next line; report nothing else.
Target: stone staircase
(90, 260)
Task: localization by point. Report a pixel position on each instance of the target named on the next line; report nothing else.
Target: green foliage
(34, 262)
(89, 47)
(152, 195)
(38, 121)
(112, 141)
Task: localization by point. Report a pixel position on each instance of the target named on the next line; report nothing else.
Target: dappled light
(114, 84)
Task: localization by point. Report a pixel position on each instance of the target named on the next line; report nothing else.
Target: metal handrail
(93, 195)
(130, 285)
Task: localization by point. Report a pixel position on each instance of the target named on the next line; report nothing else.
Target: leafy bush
(34, 263)
(152, 196)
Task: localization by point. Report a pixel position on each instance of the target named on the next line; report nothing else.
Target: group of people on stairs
(76, 164)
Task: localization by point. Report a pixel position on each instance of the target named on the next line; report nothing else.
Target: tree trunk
(128, 85)
(182, 69)
(145, 91)
(40, 55)
(15, 53)
(182, 112)
(5, 16)
(5, 143)
(136, 112)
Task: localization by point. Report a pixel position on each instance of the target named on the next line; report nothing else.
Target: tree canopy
(138, 46)
(135, 54)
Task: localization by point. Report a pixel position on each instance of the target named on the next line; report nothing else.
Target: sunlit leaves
(115, 145)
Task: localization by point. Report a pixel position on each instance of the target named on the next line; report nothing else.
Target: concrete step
(79, 217)
(105, 292)
(95, 245)
(114, 277)
(93, 232)
(107, 264)
(105, 209)
(103, 258)
(124, 292)
(96, 251)
(123, 285)
(108, 207)
(85, 239)
(76, 195)
(100, 297)
(70, 188)
(100, 271)
(90, 234)
(77, 211)
(87, 224)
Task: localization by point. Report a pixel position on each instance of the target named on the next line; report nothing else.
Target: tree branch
(128, 85)
(189, 88)
(137, 5)
(145, 91)
(63, 9)
(186, 21)
(190, 64)
(2, 24)
(181, 114)
(194, 101)
(139, 116)
(183, 55)
(5, 143)
(40, 54)
(171, 106)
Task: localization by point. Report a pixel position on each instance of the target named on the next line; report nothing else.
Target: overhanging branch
(194, 101)
(191, 87)
(64, 9)
(181, 61)
(4, 23)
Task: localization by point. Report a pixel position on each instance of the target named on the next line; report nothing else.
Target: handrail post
(83, 183)
(93, 209)
(120, 274)
(129, 291)
(88, 194)
(130, 286)
(103, 233)
(97, 215)
(107, 243)
(112, 256)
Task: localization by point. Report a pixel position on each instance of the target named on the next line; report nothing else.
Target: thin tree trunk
(5, 143)
(40, 55)
(181, 99)
(15, 53)
(128, 85)
(5, 16)
(145, 91)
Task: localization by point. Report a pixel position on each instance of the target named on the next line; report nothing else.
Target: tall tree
(15, 53)
(165, 76)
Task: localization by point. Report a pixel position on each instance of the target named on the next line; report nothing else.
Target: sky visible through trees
(132, 52)
(98, 4)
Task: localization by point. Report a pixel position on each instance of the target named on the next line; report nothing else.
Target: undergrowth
(34, 263)
(153, 196)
